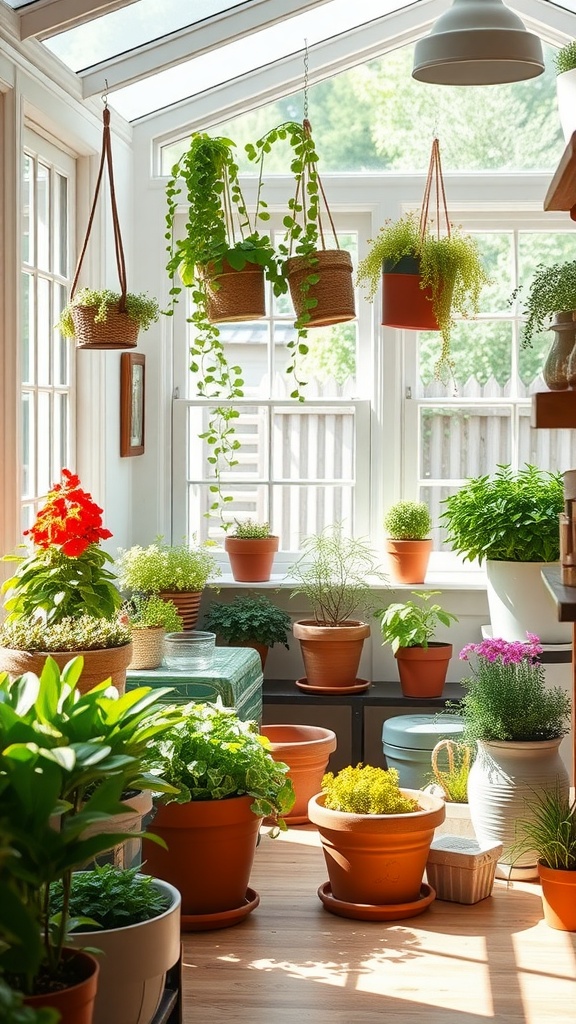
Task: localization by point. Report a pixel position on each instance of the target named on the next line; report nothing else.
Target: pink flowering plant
(506, 694)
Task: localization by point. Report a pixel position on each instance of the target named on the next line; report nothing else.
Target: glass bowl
(191, 651)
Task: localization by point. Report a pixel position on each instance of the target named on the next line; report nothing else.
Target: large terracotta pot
(110, 663)
(408, 559)
(502, 782)
(377, 859)
(75, 1004)
(187, 605)
(423, 670)
(520, 603)
(558, 897)
(134, 963)
(251, 559)
(331, 654)
(211, 846)
(306, 750)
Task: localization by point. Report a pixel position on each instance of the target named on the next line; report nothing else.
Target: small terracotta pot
(251, 559)
(331, 654)
(306, 750)
(108, 663)
(408, 559)
(187, 604)
(377, 858)
(558, 897)
(75, 1004)
(423, 670)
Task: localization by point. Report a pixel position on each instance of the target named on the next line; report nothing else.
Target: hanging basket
(334, 292)
(236, 295)
(118, 330)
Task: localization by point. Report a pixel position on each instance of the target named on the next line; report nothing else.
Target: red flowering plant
(507, 697)
(66, 575)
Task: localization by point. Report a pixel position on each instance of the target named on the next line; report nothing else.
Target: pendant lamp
(478, 42)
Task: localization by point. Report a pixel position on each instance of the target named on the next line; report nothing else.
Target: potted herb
(101, 313)
(409, 627)
(249, 622)
(63, 596)
(408, 543)
(178, 572)
(451, 761)
(516, 721)
(334, 574)
(510, 519)
(551, 291)
(228, 782)
(550, 831)
(149, 618)
(66, 759)
(565, 65)
(133, 920)
(251, 549)
(427, 280)
(366, 822)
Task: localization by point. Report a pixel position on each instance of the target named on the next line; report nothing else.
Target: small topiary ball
(408, 520)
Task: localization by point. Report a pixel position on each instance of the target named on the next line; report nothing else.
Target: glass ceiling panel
(238, 58)
(119, 31)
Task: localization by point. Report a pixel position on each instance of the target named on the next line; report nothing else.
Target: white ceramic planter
(566, 97)
(519, 602)
(503, 781)
(134, 964)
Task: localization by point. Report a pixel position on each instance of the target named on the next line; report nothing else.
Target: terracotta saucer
(222, 919)
(373, 912)
(358, 687)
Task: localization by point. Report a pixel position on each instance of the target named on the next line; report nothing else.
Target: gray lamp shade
(478, 42)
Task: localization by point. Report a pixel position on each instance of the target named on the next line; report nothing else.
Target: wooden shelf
(561, 194)
(554, 410)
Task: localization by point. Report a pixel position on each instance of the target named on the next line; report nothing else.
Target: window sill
(436, 579)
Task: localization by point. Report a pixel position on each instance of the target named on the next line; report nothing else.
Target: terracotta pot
(262, 649)
(306, 750)
(147, 647)
(558, 897)
(109, 663)
(75, 1004)
(211, 846)
(134, 963)
(333, 292)
(408, 559)
(377, 858)
(187, 603)
(251, 559)
(405, 304)
(331, 654)
(236, 295)
(423, 670)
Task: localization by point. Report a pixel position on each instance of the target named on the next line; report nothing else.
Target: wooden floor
(291, 961)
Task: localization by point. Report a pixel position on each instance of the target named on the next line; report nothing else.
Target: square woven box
(462, 870)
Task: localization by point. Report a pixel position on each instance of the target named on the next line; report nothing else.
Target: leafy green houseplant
(226, 778)
(409, 627)
(142, 309)
(110, 897)
(552, 290)
(249, 622)
(334, 574)
(565, 58)
(408, 520)
(365, 821)
(408, 543)
(449, 267)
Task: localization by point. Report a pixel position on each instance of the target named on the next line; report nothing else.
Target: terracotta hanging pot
(187, 605)
(251, 558)
(75, 1004)
(405, 304)
(333, 292)
(236, 295)
(408, 559)
(377, 859)
(331, 654)
(423, 670)
(209, 856)
(306, 750)
(107, 663)
(558, 897)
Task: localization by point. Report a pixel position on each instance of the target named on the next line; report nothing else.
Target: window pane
(44, 329)
(60, 421)
(27, 209)
(27, 347)
(313, 444)
(62, 347)
(482, 356)
(43, 217)
(44, 463)
(497, 253)
(458, 443)
(61, 225)
(28, 454)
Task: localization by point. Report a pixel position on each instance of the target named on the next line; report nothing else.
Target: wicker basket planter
(334, 291)
(118, 330)
(236, 295)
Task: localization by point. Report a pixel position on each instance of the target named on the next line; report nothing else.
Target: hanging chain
(104, 96)
(306, 70)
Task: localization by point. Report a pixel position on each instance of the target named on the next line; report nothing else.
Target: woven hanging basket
(236, 295)
(334, 291)
(118, 330)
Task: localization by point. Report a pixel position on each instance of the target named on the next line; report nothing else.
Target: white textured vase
(504, 780)
(520, 603)
(566, 97)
